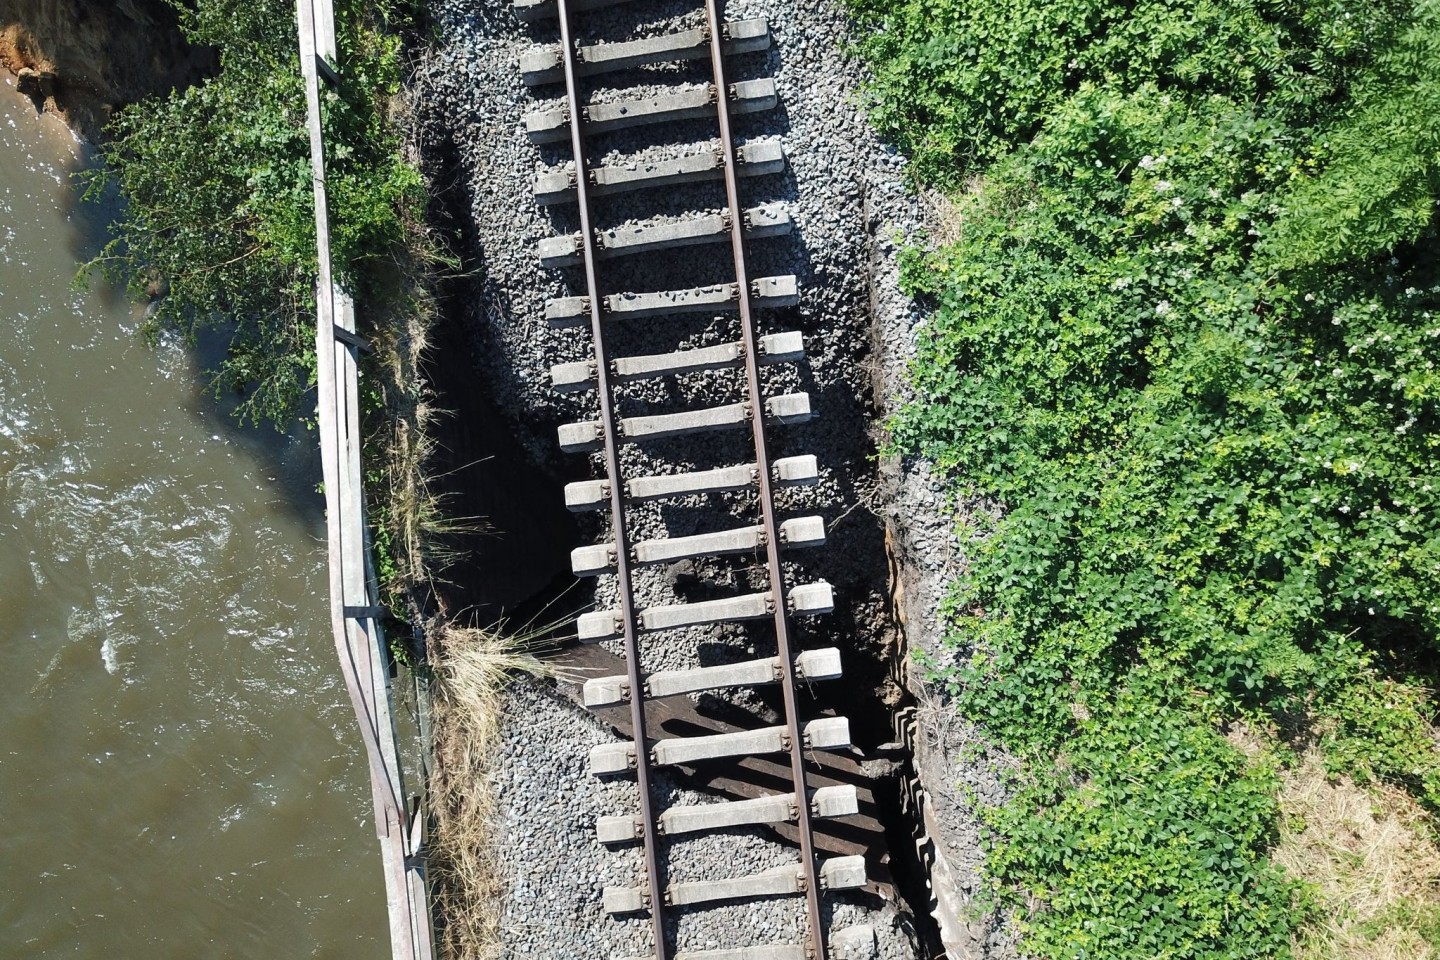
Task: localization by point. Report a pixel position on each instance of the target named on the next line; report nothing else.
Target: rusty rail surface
(767, 497)
(617, 489)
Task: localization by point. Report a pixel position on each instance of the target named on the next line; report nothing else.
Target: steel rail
(785, 651)
(569, 53)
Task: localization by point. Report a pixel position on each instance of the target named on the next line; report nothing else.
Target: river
(180, 771)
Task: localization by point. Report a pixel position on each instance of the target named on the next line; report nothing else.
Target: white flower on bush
(1162, 308)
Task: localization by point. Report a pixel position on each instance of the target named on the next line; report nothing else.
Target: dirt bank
(84, 59)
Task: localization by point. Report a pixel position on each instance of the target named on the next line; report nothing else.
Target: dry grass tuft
(1373, 859)
(947, 222)
(472, 667)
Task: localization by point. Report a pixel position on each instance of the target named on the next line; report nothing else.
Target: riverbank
(84, 61)
(241, 286)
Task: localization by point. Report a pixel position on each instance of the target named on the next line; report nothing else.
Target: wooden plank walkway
(353, 600)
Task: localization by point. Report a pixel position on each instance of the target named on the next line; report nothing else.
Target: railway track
(598, 72)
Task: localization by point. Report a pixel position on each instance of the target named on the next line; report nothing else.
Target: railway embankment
(889, 549)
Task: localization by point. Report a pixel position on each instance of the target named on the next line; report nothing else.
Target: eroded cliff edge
(83, 60)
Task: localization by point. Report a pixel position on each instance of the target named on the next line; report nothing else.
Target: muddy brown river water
(180, 773)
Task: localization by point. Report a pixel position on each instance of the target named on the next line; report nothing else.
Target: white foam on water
(109, 658)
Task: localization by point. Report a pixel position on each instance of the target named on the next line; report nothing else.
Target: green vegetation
(217, 229)
(1186, 340)
(218, 214)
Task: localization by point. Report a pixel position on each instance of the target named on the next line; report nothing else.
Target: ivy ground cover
(1187, 340)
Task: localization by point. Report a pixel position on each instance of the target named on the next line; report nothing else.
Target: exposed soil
(83, 59)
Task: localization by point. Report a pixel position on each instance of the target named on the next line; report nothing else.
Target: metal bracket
(352, 339)
(327, 73)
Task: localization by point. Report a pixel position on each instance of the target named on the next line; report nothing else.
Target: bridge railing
(354, 604)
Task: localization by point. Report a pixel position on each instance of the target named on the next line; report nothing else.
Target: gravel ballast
(851, 212)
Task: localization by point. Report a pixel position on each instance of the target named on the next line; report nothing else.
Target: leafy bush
(1158, 853)
(1186, 339)
(966, 82)
(1381, 159)
(218, 217)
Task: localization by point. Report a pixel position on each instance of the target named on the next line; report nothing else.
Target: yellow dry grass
(1371, 855)
(472, 667)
